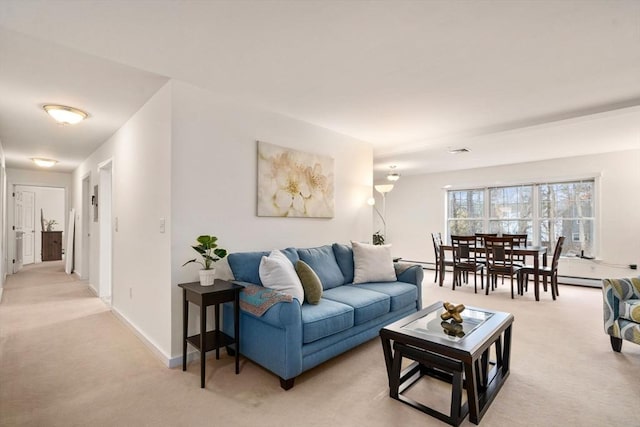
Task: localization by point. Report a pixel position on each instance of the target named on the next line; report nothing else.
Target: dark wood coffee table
(459, 355)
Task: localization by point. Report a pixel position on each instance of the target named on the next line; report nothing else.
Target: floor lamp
(383, 189)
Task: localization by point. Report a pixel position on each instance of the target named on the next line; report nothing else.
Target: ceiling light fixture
(393, 176)
(44, 163)
(65, 115)
(458, 150)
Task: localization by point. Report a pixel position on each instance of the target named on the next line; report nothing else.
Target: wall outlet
(162, 225)
(130, 293)
(116, 224)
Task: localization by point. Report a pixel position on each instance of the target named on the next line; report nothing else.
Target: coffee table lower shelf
(467, 364)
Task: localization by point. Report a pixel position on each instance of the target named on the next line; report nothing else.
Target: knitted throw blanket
(257, 299)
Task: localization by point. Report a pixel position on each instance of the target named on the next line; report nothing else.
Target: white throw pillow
(372, 263)
(278, 273)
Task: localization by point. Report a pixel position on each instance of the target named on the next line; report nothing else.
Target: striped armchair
(622, 310)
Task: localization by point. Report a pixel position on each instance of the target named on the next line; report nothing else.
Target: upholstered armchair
(622, 310)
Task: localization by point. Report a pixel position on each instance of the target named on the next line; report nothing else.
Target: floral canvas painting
(293, 183)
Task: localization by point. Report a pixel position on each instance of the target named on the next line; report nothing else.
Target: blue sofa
(290, 338)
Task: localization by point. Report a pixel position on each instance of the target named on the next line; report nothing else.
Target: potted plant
(210, 253)
(378, 238)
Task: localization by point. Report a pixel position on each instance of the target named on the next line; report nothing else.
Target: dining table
(536, 252)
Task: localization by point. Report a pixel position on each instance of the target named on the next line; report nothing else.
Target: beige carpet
(65, 360)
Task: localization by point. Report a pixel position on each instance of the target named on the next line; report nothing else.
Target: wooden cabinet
(51, 245)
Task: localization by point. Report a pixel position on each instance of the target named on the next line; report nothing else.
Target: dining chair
(550, 272)
(499, 254)
(464, 261)
(480, 239)
(437, 242)
(519, 240)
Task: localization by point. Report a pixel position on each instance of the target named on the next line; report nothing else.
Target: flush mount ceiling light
(393, 175)
(44, 163)
(458, 150)
(65, 115)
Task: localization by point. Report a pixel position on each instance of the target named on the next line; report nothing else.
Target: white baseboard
(1, 291)
(92, 289)
(166, 360)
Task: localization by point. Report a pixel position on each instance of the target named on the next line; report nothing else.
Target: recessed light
(458, 150)
(44, 163)
(65, 115)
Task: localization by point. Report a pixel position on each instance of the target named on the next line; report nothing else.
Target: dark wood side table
(204, 296)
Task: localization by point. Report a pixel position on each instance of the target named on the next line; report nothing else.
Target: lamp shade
(383, 188)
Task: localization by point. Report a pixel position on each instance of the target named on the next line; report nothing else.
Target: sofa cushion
(323, 262)
(372, 263)
(277, 272)
(630, 310)
(310, 282)
(367, 304)
(344, 257)
(402, 294)
(245, 265)
(324, 319)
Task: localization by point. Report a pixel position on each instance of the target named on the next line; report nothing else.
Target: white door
(19, 213)
(28, 227)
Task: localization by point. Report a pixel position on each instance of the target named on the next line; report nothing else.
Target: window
(567, 209)
(511, 210)
(543, 211)
(465, 212)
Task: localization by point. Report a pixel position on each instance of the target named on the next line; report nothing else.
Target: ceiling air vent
(458, 150)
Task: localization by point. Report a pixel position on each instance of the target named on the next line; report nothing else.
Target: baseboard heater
(580, 281)
(563, 280)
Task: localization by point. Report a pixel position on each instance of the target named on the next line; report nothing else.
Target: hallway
(57, 348)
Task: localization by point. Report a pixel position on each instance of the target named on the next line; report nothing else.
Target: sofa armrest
(614, 291)
(611, 306)
(410, 273)
(281, 314)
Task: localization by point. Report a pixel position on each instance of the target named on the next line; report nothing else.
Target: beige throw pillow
(372, 263)
(310, 282)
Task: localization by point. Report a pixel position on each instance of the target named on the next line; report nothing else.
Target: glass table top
(433, 325)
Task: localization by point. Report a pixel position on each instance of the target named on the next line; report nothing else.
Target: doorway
(86, 227)
(105, 221)
(29, 202)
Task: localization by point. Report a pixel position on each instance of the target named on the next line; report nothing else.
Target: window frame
(536, 218)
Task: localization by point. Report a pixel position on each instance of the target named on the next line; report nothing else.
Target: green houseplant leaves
(208, 250)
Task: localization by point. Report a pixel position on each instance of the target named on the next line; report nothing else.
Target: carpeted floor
(66, 360)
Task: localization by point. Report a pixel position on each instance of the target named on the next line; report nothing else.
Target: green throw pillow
(310, 282)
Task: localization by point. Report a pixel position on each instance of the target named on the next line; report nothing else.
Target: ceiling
(511, 81)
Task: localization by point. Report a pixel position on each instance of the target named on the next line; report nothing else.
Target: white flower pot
(207, 277)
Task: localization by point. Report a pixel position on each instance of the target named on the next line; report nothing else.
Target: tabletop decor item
(210, 253)
(453, 329)
(453, 312)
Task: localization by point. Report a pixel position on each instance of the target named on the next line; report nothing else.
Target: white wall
(140, 152)
(3, 221)
(416, 207)
(192, 161)
(37, 179)
(214, 161)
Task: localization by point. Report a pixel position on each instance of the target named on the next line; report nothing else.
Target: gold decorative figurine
(453, 312)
